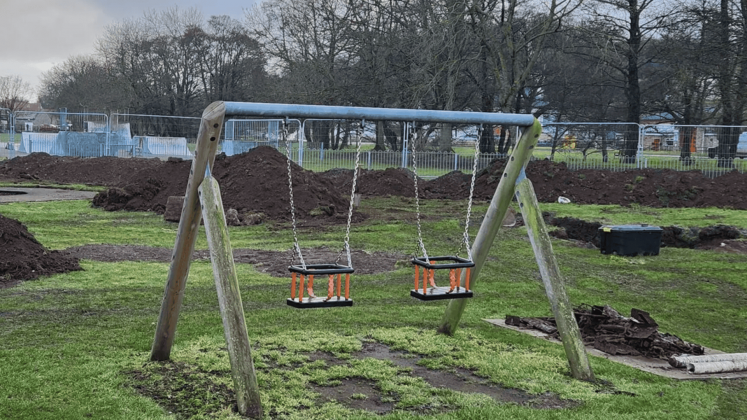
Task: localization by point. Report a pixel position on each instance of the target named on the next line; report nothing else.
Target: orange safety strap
(330, 286)
(339, 280)
(458, 278)
(347, 285)
(311, 286)
(417, 277)
(466, 285)
(452, 280)
(293, 285)
(433, 275)
(300, 289)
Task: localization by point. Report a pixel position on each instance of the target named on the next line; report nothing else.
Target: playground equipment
(332, 270)
(453, 263)
(203, 197)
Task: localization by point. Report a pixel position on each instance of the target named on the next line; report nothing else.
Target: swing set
(203, 201)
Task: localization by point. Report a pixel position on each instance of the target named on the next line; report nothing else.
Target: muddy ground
(190, 383)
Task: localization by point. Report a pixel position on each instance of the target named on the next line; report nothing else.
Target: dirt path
(13, 194)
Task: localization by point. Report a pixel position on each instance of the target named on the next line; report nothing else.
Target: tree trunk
(380, 136)
(632, 87)
(687, 141)
(444, 139)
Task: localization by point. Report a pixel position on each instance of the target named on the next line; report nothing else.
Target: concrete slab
(13, 194)
(655, 366)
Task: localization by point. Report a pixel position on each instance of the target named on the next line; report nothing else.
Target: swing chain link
(296, 246)
(359, 135)
(471, 193)
(417, 199)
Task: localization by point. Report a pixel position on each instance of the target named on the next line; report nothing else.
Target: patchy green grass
(76, 345)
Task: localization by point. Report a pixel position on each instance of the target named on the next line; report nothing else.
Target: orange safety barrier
(466, 284)
(417, 277)
(347, 285)
(311, 286)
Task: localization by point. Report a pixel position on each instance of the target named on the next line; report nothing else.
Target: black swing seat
(315, 301)
(441, 293)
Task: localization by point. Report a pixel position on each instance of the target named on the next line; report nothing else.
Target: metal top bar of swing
(267, 110)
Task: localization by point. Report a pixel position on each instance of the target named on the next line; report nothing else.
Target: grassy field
(76, 345)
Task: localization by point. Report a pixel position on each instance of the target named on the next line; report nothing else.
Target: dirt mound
(647, 187)
(256, 182)
(106, 171)
(24, 258)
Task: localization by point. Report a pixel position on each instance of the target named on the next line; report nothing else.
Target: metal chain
(417, 199)
(359, 134)
(471, 193)
(296, 246)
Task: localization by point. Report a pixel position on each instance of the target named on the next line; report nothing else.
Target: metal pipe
(267, 110)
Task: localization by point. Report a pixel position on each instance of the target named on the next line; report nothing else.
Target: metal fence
(321, 145)
(153, 135)
(608, 146)
(61, 133)
(242, 135)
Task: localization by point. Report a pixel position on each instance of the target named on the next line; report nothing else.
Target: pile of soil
(24, 258)
(256, 182)
(104, 171)
(605, 329)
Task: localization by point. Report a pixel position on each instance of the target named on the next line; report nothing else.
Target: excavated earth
(24, 258)
(257, 183)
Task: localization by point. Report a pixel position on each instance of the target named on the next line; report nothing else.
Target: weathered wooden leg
(554, 287)
(229, 299)
(493, 220)
(207, 144)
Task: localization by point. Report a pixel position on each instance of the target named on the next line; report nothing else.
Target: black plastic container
(630, 240)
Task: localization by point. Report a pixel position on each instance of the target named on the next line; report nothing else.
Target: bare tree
(619, 40)
(83, 83)
(231, 61)
(158, 56)
(15, 93)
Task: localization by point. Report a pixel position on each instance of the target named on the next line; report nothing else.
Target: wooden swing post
(189, 223)
(493, 220)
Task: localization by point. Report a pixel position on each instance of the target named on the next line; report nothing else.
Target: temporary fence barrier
(243, 135)
(152, 135)
(62, 133)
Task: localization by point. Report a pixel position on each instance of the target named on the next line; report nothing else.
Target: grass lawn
(76, 345)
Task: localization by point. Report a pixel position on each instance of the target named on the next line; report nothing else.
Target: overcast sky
(37, 34)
